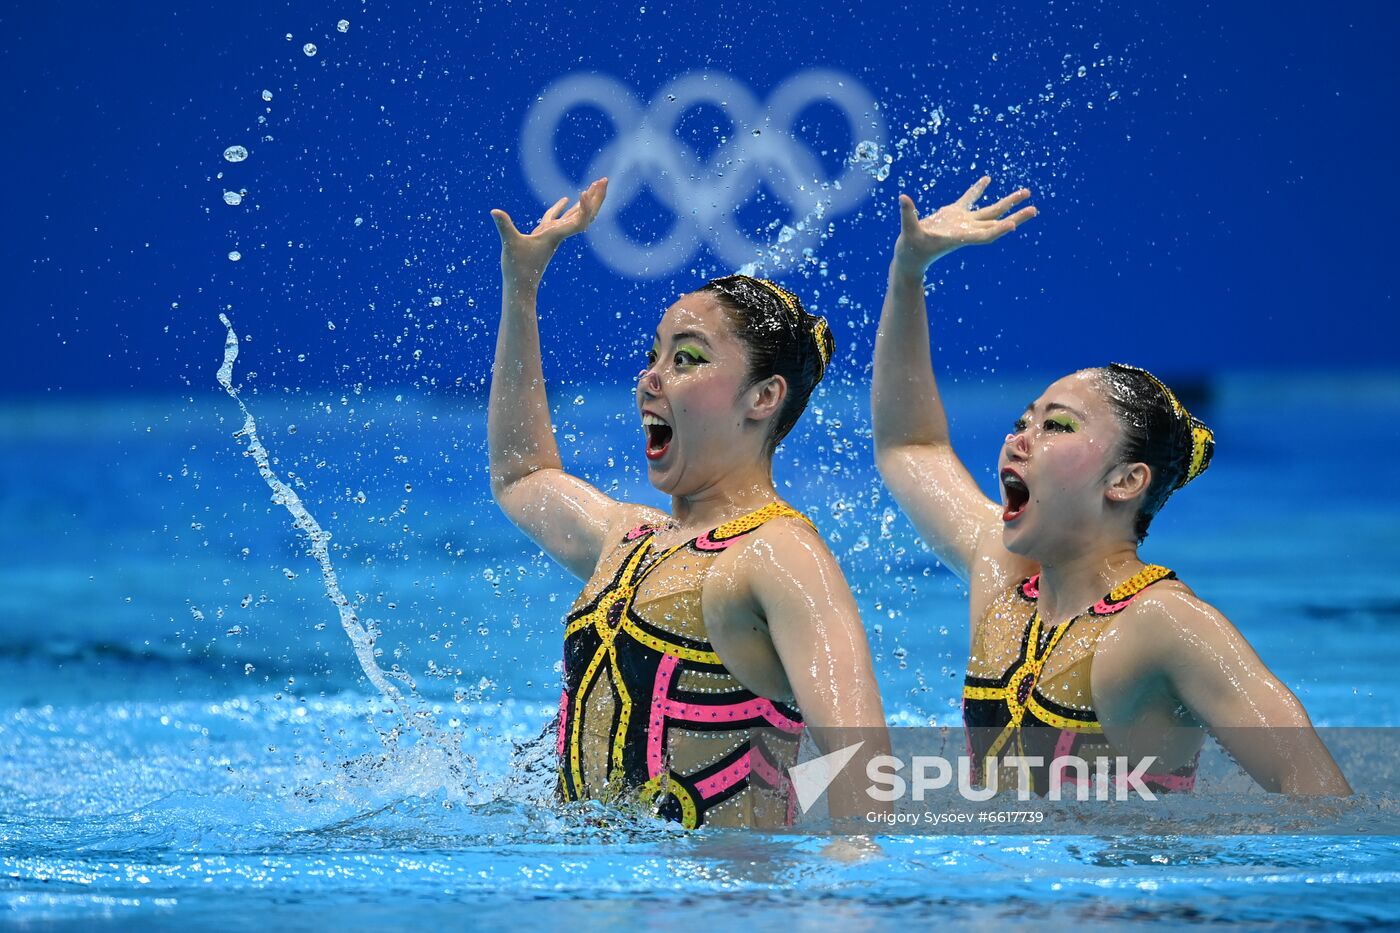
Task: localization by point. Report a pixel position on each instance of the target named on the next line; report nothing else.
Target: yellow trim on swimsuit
(610, 617)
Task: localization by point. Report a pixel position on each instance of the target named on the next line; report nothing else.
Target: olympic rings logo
(645, 153)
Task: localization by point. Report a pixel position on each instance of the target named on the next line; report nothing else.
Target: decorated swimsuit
(1020, 713)
(649, 711)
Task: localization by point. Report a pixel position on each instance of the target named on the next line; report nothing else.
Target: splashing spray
(362, 637)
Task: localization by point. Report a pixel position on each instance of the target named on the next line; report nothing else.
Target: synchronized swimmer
(729, 614)
(1078, 646)
(725, 616)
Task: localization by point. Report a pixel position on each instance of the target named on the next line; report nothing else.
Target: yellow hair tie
(1201, 440)
(785, 296)
(819, 328)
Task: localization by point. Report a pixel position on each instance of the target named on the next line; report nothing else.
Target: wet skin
(1067, 512)
(775, 605)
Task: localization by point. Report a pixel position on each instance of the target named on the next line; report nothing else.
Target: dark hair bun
(1157, 431)
(781, 337)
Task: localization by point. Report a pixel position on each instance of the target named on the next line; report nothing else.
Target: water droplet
(235, 154)
(248, 669)
(408, 487)
(1081, 72)
(435, 301)
(309, 48)
(267, 95)
(233, 198)
(234, 255)
(343, 25)
(359, 220)
(330, 325)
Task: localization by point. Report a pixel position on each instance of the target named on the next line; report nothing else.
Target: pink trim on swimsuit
(1102, 608)
(656, 729)
(706, 543)
(563, 719)
(771, 775)
(705, 712)
(1065, 744)
(719, 783)
(766, 770)
(664, 708)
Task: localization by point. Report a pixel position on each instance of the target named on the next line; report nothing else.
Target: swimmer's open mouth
(1017, 494)
(658, 435)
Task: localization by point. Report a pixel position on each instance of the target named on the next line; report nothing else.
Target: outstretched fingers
(993, 211)
(592, 197)
(586, 208)
(553, 212)
(1021, 216)
(989, 231)
(971, 195)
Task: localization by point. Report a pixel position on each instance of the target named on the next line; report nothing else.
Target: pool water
(187, 738)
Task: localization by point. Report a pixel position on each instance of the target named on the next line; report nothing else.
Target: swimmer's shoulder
(1167, 624)
(788, 548)
(786, 536)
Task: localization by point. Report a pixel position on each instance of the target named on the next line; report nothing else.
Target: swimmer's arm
(913, 450)
(815, 625)
(1215, 673)
(564, 515)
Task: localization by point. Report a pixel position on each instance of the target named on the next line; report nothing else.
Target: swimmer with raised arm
(725, 615)
(1079, 648)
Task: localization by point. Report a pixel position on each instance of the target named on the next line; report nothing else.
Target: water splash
(362, 634)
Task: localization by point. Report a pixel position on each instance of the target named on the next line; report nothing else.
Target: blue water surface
(186, 738)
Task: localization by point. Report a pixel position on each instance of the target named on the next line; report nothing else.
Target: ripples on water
(193, 744)
(186, 810)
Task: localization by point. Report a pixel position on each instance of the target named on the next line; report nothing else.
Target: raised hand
(526, 254)
(961, 223)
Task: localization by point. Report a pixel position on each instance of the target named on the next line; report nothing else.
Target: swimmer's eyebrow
(1057, 406)
(684, 335)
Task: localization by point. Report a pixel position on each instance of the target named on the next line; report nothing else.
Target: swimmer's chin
(1015, 542)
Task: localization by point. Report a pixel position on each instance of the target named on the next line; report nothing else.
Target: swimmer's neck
(1075, 582)
(730, 496)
